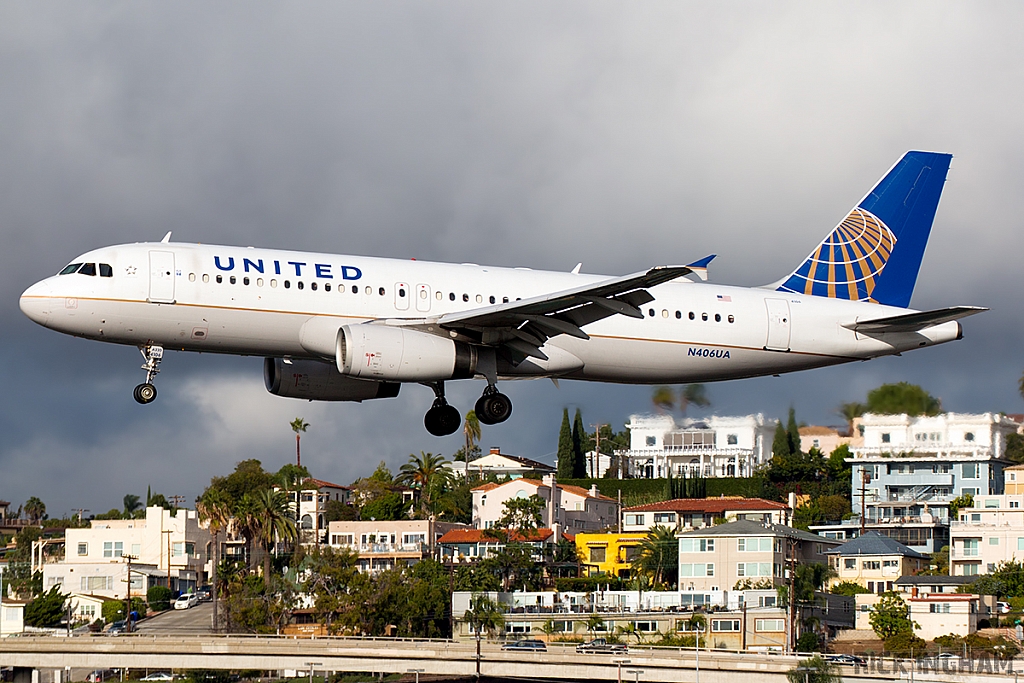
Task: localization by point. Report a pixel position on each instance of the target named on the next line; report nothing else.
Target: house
(926, 534)
(986, 534)
(86, 607)
(932, 585)
(165, 549)
(309, 502)
(875, 562)
(574, 508)
(908, 467)
(710, 447)
(825, 439)
(608, 553)
(934, 615)
(745, 553)
(1013, 479)
(468, 545)
(12, 617)
(686, 513)
(383, 545)
(503, 466)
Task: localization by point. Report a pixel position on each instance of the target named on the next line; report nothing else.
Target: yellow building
(608, 553)
(1013, 480)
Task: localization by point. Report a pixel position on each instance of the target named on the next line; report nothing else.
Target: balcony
(922, 451)
(389, 548)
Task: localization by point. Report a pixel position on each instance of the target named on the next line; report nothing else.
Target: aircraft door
(161, 277)
(423, 298)
(402, 295)
(778, 325)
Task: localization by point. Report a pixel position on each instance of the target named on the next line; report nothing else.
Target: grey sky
(542, 134)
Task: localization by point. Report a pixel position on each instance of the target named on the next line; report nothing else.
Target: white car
(186, 600)
(158, 676)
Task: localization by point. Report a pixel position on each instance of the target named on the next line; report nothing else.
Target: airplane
(355, 328)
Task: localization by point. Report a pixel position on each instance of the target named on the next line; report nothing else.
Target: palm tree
(851, 411)
(428, 473)
(214, 509)
(35, 509)
(483, 615)
(657, 554)
(273, 522)
(1020, 386)
(665, 398)
(298, 425)
(471, 430)
(131, 504)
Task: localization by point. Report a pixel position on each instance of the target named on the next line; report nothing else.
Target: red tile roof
(580, 491)
(477, 536)
(712, 505)
(321, 484)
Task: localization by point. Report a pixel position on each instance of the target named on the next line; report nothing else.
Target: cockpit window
(106, 270)
(87, 269)
(68, 269)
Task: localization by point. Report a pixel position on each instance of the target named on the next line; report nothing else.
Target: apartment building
(987, 534)
(611, 554)
(875, 562)
(696, 513)
(908, 467)
(383, 545)
(711, 447)
(745, 553)
(934, 615)
(469, 545)
(169, 550)
(573, 508)
(308, 505)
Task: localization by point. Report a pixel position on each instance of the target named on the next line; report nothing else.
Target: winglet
(700, 269)
(167, 238)
(576, 270)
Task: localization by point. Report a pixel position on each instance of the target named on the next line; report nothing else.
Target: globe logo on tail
(847, 264)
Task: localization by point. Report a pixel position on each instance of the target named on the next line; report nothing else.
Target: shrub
(904, 644)
(113, 610)
(808, 642)
(814, 670)
(159, 598)
(849, 588)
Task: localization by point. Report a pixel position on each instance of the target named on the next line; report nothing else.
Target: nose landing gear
(146, 392)
(493, 407)
(442, 419)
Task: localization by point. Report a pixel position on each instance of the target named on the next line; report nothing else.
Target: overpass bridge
(51, 656)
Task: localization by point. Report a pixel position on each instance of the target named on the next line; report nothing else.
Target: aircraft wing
(913, 322)
(526, 324)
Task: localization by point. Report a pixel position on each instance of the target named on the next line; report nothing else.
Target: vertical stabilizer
(875, 253)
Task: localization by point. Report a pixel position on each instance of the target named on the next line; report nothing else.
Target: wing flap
(913, 322)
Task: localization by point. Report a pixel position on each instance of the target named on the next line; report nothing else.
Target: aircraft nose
(36, 301)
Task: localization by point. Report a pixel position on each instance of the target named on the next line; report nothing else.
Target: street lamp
(311, 665)
(2, 600)
(636, 674)
(806, 671)
(620, 662)
(417, 672)
(698, 630)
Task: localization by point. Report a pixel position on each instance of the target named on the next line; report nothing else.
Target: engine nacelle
(316, 381)
(398, 354)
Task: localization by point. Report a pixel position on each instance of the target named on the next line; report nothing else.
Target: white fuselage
(250, 301)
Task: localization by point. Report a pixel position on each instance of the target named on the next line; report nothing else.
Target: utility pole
(128, 594)
(176, 501)
(864, 479)
(594, 474)
(81, 511)
(791, 616)
(168, 532)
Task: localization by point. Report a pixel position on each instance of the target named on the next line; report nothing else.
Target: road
(194, 621)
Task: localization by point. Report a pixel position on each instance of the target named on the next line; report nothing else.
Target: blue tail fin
(875, 253)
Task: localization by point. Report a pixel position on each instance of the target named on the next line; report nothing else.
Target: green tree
(793, 432)
(521, 516)
(904, 644)
(336, 511)
(566, 463)
(850, 412)
(214, 508)
(334, 583)
(595, 622)
(817, 669)
(693, 395)
(35, 509)
(382, 474)
(159, 598)
(389, 506)
(299, 426)
(657, 556)
(427, 473)
(780, 444)
(891, 615)
(46, 610)
(132, 504)
(965, 500)
(472, 433)
(1014, 450)
(274, 523)
(579, 457)
(902, 397)
(291, 477)
(483, 615)
(248, 476)
(850, 588)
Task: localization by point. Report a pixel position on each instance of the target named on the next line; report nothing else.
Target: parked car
(531, 644)
(1003, 607)
(205, 593)
(851, 660)
(118, 628)
(601, 646)
(158, 676)
(186, 600)
(100, 675)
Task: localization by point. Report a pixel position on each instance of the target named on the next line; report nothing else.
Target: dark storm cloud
(536, 134)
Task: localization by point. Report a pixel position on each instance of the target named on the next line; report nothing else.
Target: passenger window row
(692, 316)
(88, 269)
(299, 284)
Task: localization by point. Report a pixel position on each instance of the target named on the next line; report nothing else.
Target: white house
(309, 503)
(160, 545)
(503, 465)
(711, 447)
(572, 507)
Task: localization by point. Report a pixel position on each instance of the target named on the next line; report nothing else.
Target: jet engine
(398, 354)
(316, 381)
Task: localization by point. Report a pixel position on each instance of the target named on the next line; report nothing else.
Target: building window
(969, 470)
(886, 437)
(850, 564)
(83, 548)
(939, 608)
(696, 545)
(770, 625)
(972, 568)
(725, 625)
(651, 440)
(991, 503)
(732, 439)
(598, 554)
(635, 519)
(91, 584)
(750, 569)
(664, 518)
(969, 436)
(871, 564)
(971, 547)
(754, 544)
(113, 549)
(696, 569)
(993, 540)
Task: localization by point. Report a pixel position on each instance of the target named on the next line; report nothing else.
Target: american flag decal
(724, 298)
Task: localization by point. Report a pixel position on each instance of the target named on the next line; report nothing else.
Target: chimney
(495, 450)
(593, 491)
(549, 480)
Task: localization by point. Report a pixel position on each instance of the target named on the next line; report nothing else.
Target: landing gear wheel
(144, 393)
(493, 408)
(442, 419)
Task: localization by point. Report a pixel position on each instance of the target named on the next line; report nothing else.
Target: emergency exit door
(161, 277)
(778, 325)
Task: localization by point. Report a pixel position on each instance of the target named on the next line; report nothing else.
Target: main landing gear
(442, 419)
(146, 392)
(493, 407)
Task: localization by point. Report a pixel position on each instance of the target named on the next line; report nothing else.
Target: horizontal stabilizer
(913, 322)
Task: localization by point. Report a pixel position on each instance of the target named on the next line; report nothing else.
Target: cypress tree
(579, 433)
(565, 455)
(780, 444)
(793, 433)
